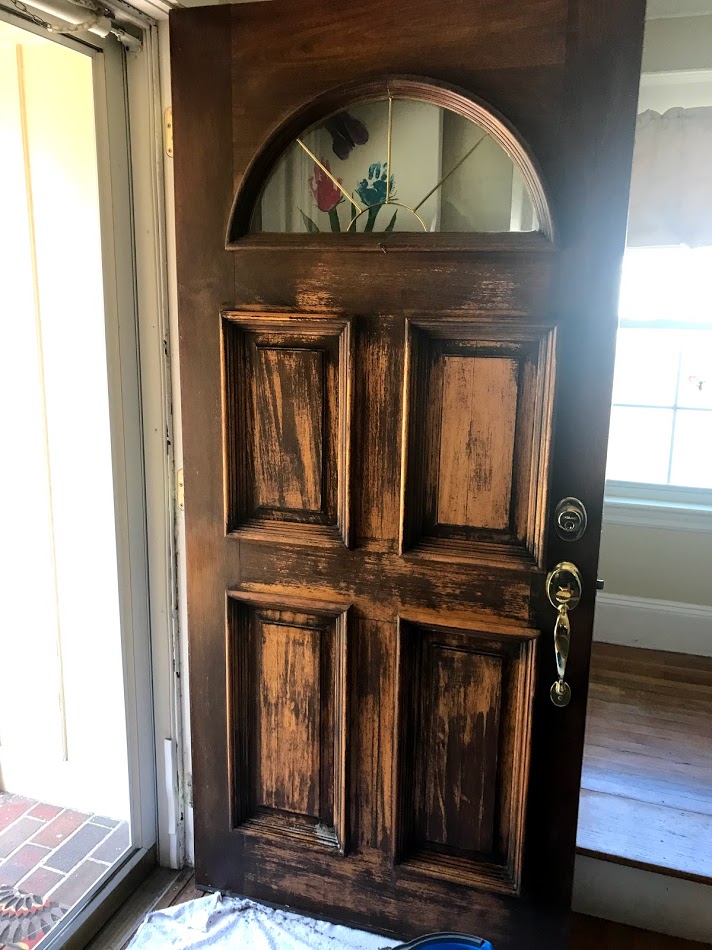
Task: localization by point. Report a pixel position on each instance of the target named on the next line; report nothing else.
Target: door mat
(216, 921)
(25, 918)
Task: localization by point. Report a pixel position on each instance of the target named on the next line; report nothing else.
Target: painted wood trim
(643, 899)
(653, 624)
(648, 514)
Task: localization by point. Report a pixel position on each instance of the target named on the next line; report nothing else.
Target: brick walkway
(54, 852)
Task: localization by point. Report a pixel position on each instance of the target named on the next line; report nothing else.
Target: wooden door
(377, 430)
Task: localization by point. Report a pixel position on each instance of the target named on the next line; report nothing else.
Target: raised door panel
(287, 717)
(464, 736)
(288, 401)
(287, 657)
(477, 422)
(286, 427)
(471, 490)
(463, 705)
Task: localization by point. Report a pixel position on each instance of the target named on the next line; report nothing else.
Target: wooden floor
(165, 888)
(646, 793)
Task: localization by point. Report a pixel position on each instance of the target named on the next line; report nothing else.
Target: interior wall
(675, 43)
(689, 90)
(480, 194)
(651, 562)
(657, 563)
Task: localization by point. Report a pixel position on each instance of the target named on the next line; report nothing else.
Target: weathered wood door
(378, 426)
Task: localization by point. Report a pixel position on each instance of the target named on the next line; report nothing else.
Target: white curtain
(671, 188)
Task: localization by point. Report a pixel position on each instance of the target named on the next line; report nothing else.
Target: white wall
(688, 89)
(676, 43)
(659, 563)
(671, 564)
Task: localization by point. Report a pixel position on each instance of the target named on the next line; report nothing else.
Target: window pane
(646, 367)
(692, 449)
(639, 444)
(696, 370)
(667, 283)
(446, 174)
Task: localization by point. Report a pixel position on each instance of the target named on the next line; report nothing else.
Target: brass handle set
(563, 587)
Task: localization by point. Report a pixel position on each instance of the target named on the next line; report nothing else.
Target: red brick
(20, 863)
(11, 807)
(78, 882)
(29, 855)
(21, 831)
(45, 812)
(56, 831)
(10, 874)
(40, 881)
(106, 822)
(114, 846)
(77, 847)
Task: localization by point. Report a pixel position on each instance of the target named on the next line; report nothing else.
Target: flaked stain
(310, 299)
(289, 428)
(477, 441)
(462, 752)
(290, 718)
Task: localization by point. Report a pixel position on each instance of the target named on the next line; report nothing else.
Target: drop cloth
(240, 924)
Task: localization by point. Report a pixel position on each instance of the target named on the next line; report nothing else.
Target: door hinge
(168, 131)
(180, 490)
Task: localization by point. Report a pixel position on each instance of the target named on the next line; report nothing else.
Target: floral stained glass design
(394, 165)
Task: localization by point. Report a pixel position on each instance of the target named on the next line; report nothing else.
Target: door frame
(130, 160)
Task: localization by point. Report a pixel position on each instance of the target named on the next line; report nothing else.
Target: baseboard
(653, 624)
(644, 899)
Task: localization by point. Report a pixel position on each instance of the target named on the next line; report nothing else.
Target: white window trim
(658, 506)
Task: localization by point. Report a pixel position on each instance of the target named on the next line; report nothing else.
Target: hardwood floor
(647, 779)
(590, 933)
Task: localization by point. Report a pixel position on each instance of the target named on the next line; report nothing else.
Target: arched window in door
(399, 159)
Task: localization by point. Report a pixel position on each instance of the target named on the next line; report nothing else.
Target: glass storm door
(396, 360)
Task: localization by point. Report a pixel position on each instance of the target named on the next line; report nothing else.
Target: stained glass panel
(395, 165)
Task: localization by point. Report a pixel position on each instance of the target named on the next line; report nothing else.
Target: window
(661, 419)
(395, 164)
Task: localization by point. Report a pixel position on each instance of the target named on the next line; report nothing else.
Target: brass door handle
(563, 588)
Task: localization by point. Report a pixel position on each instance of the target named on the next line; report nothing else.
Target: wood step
(646, 789)
(653, 837)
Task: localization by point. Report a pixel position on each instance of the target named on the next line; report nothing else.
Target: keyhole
(570, 519)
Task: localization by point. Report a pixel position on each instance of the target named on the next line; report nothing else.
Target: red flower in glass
(325, 192)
